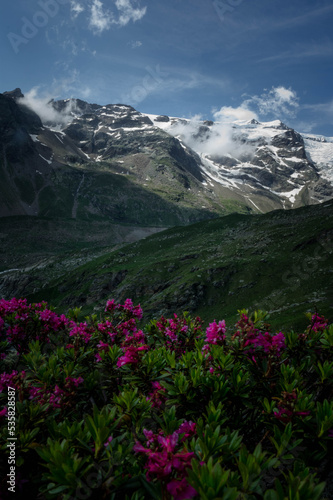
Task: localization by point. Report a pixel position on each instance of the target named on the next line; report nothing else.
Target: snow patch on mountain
(320, 150)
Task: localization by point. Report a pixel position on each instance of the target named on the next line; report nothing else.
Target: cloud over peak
(230, 114)
(279, 102)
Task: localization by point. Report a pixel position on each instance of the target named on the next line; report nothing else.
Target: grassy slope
(279, 261)
(27, 241)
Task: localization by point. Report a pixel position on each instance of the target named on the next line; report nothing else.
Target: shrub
(109, 408)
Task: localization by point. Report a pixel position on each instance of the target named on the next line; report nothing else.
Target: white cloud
(135, 44)
(222, 139)
(279, 102)
(42, 105)
(100, 20)
(218, 140)
(230, 114)
(76, 9)
(128, 13)
(40, 100)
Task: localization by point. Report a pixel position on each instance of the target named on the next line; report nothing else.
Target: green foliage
(104, 409)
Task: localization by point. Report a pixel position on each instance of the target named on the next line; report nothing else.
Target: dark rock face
(291, 143)
(226, 161)
(162, 118)
(14, 94)
(16, 123)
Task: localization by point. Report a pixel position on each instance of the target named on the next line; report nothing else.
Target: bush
(109, 408)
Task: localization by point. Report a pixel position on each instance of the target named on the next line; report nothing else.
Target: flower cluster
(132, 345)
(286, 407)
(21, 322)
(271, 344)
(215, 333)
(179, 333)
(318, 323)
(120, 329)
(81, 331)
(157, 397)
(169, 460)
(56, 397)
(131, 355)
(258, 341)
(135, 311)
(14, 380)
(51, 321)
(172, 328)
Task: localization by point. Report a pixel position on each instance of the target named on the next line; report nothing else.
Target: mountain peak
(14, 94)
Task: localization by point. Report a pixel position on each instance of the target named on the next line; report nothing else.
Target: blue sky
(214, 58)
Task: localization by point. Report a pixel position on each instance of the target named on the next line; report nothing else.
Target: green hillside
(280, 261)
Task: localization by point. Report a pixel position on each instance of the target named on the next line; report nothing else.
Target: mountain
(92, 162)
(268, 165)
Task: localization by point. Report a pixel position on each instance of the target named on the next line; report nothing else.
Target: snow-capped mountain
(74, 159)
(259, 160)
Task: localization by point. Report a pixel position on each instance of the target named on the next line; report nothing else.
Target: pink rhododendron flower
(165, 458)
(168, 442)
(14, 379)
(107, 328)
(15, 333)
(136, 311)
(181, 490)
(159, 465)
(70, 381)
(108, 442)
(215, 332)
(13, 305)
(80, 330)
(102, 346)
(171, 334)
(157, 397)
(110, 305)
(3, 413)
(269, 343)
(150, 436)
(188, 429)
(55, 397)
(139, 448)
(286, 407)
(318, 323)
(52, 321)
(131, 355)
